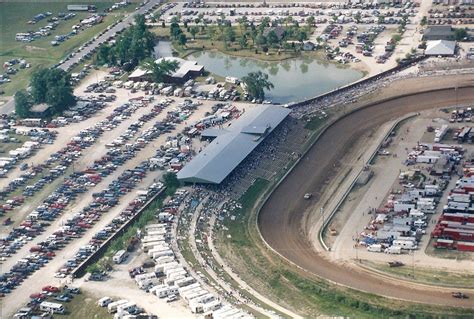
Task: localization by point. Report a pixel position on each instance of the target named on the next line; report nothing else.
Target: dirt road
(282, 218)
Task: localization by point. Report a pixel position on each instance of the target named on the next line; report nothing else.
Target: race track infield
(281, 220)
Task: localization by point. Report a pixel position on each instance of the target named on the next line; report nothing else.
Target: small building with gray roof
(232, 145)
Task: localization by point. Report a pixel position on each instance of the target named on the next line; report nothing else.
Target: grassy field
(40, 53)
(84, 306)
(7, 147)
(426, 275)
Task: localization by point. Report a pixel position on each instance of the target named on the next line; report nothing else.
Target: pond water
(294, 79)
(163, 49)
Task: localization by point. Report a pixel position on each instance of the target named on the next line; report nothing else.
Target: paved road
(9, 107)
(281, 220)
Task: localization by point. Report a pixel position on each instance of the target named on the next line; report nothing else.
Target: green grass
(426, 275)
(7, 147)
(315, 122)
(84, 306)
(40, 53)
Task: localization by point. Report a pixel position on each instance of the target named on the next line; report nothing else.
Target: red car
(37, 296)
(50, 289)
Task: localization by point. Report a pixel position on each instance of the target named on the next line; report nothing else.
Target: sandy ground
(130, 291)
(281, 219)
(45, 275)
(386, 171)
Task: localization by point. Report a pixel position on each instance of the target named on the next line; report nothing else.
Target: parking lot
(106, 175)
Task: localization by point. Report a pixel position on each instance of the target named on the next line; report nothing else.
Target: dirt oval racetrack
(281, 218)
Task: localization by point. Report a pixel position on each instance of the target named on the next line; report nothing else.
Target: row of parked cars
(46, 302)
(109, 230)
(73, 185)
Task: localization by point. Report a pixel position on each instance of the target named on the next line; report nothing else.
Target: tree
(23, 103)
(243, 41)
(256, 83)
(396, 37)
(310, 21)
(460, 34)
(229, 34)
(261, 40)
(182, 40)
(175, 30)
(53, 87)
(171, 182)
(194, 30)
(243, 24)
(132, 46)
(272, 38)
(160, 70)
(302, 36)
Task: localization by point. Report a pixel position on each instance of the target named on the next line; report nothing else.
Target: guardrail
(349, 189)
(81, 269)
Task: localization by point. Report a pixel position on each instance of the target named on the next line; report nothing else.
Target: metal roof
(440, 47)
(233, 145)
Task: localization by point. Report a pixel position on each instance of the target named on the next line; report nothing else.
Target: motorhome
(52, 307)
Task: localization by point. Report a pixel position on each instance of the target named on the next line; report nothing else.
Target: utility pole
(413, 265)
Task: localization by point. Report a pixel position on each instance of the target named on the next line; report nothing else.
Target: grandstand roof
(233, 145)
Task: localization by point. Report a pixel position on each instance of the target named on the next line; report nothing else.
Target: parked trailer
(166, 291)
(405, 244)
(375, 248)
(444, 243)
(161, 267)
(153, 227)
(148, 246)
(465, 246)
(189, 287)
(393, 250)
(211, 306)
(168, 252)
(104, 301)
(458, 217)
(157, 249)
(120, 256)
(127, 307)
(112, 307)
(455, 234)
(185, 282)
(149, 239)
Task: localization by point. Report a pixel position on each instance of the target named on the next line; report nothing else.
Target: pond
(294, 79)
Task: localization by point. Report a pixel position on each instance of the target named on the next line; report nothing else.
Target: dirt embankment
(281, 220)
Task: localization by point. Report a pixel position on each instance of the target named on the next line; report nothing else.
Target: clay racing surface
(282, 219)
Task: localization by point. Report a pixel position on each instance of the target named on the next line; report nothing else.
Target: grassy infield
(310, 296)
